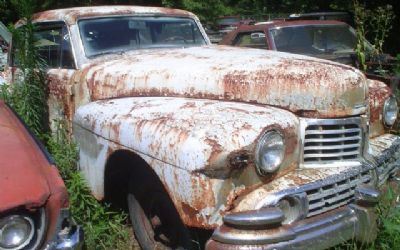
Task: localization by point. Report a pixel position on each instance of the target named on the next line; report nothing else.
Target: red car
(33, 199)
(325, 39)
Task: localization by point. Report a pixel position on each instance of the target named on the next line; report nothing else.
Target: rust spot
(71, 15)
(216, 149)
(239, 159)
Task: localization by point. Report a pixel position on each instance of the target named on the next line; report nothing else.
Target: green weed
(104, 228)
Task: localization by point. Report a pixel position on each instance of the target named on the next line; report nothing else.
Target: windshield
(315, 40)
(119, 34)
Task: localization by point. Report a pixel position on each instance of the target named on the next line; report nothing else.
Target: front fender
(187, 133)
(188, 144)
(378, 92)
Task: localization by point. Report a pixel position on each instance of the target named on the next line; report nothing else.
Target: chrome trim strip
(333, 131)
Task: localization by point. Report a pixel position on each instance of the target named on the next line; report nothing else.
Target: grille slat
(340, 139)
(322, 155)
(331, 201)
(334, 195)
(329, 132)
(332, 140)
(330, 147)
(325, 209)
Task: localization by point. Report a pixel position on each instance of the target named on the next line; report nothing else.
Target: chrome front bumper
(69, 236)
(355, 219)
(244, 230)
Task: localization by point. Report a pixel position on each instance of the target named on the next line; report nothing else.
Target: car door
(52, 41)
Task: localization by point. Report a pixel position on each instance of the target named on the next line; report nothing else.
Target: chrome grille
(334, 195)
(332, 140)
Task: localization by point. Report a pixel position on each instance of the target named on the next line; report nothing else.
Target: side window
(54, 47)
(252, 40)
(183, 32)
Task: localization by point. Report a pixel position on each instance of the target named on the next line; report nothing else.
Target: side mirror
(257, 36)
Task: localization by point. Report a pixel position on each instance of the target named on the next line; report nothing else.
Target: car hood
(307, 86)
(22, 181)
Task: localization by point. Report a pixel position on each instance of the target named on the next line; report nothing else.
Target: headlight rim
(30, 236)
(384, 110)
(258, 149)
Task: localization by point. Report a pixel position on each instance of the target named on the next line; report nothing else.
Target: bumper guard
(355, 221)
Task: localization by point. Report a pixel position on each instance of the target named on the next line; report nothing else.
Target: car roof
(286, 23)
(71, 15)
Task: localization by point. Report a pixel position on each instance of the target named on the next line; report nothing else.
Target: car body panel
(22, 162)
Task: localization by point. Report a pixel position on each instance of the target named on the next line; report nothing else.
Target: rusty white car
(34, 211)
(261, 148)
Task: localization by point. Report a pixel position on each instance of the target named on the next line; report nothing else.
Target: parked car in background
(34, 210)
(262, 149)
(224, 25)
(229, 23)
(342, 16)
(331, 40)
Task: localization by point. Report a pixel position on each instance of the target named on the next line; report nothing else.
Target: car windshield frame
(315, 51)
(144, 29)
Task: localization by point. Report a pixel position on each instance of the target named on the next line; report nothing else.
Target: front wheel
(155, 221)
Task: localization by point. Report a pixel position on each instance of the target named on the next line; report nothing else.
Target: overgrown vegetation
(375, 24)
(27, 95)
(104, 228)
(389, 220)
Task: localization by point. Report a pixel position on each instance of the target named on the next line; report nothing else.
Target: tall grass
(104, 228)
(28, 95)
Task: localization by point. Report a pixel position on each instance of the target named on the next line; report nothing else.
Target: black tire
(155, 221)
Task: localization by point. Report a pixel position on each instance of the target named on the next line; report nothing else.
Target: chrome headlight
(16, 232)
(269, 152)
(390, 111)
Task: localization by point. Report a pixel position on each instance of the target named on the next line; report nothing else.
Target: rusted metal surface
(187, 133)
(378, 93)
(60, 99)
(183, 140)
(300, 84)
(71, 15)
